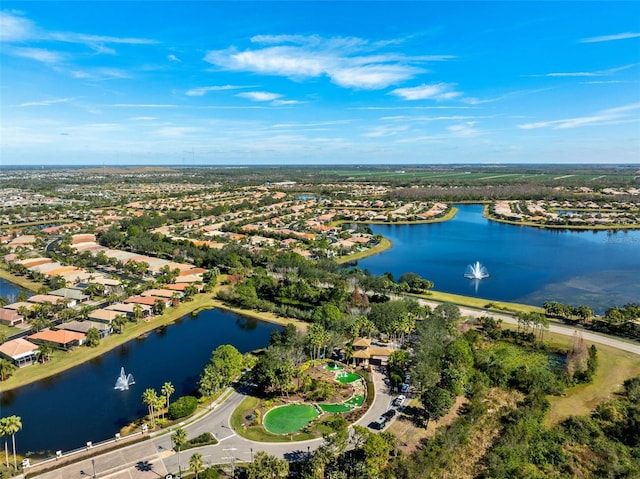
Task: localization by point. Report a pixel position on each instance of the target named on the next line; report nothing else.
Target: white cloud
(602, 117)
(38, 54)
(346, 61)
(99, 74)
(201, 91)
(609, 38)
(436, 91)
(143, 118)
(597, 73)
(464, 130)
(174, 58)
(16, 28)
(287, 102)
(45, 102)
(259, 95)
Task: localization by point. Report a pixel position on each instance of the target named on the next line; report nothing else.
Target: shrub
(183, 407)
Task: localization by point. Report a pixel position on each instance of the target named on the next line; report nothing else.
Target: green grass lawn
(289, 419)
(346, 377)
(334, 408)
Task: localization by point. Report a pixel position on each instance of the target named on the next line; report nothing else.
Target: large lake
(79, 405)
(529, 265)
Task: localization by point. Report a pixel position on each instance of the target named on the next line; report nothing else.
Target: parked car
(399, 401)
(379, 423)
(390, 414)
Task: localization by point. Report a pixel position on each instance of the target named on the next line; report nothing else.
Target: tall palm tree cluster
(155, 403)
(9, 426)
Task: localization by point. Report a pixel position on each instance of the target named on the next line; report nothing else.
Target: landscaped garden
(322, 391)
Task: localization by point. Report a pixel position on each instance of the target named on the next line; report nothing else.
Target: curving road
(155, 458)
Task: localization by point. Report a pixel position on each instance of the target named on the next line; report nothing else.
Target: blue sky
(309, 82)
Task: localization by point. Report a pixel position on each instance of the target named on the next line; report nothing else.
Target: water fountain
(476, 271)
(124, 381)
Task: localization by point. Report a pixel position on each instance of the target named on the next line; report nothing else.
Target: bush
(183, 407)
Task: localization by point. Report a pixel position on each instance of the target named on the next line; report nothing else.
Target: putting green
(356, 401)
(334, 407)
(345, 377)
(288, 419)
(333, 367)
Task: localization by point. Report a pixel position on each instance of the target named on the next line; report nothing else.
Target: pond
(526, 264)
(82, 405)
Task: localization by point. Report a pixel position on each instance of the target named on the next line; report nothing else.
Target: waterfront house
(58, 338)
(127, 309)
(19, 351)
(84, 326)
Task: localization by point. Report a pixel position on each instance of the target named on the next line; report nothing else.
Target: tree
(159, 306)
(179, 439)
(376, 451)
(167, 390)
(436, 402)
(11, 426)
(336, 440)
(119, 322)
(7, 368)
(93, 337)
(5, 434)
(196, 464)
(137, 311)
(150, 399)
(266, 466)
(45, 350)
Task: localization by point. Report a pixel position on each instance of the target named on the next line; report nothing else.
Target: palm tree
(179, 439)
(118, 322)
(6, 368)
(44, 351)
(167, 390)
(137, 311)
(150, 399)
(196, 464)
(12, 425)
(4, 434)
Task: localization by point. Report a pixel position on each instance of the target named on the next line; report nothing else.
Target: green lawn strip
(477, 303)
(289, 419)
(21, 281)
(258, 433)
(334, 408)
(63, 360)
(384, 245)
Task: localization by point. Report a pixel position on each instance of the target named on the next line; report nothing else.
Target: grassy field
(614, 366)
